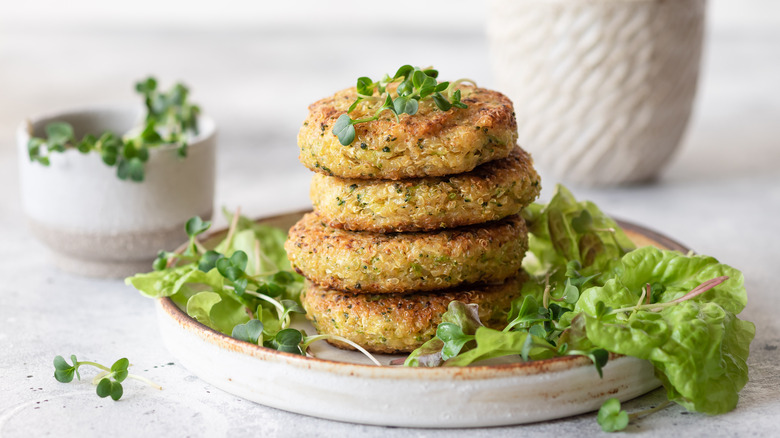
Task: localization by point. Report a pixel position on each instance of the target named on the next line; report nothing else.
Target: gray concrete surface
(720, 196)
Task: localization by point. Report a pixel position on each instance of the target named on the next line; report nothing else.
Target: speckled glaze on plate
(342, 385)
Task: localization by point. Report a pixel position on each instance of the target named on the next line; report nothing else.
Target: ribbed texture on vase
(602, 89)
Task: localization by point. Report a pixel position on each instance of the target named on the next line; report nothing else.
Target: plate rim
(472, 372)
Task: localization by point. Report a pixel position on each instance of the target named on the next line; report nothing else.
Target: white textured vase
(602, 89)
(98, 225)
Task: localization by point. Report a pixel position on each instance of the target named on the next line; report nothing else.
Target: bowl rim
(473, 372)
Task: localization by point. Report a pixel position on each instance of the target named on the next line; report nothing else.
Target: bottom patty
(399, 323)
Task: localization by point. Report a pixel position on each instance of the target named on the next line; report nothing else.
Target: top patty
(429, 143)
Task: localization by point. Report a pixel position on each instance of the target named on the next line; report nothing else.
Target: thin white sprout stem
(265, 259)
(698, 290)
(640, 301)
(145, 380)
(199, 246)
(99, 377)
(646, 412)
(276, 304)
(94, 364)
(106, 371)
(546, 295)
(257, 255)
(342, 339)
(233, 226)
(453, 84)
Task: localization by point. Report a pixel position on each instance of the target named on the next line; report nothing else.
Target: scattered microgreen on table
(414, 85)
(612, 418)
(108, 381)
(170, 120)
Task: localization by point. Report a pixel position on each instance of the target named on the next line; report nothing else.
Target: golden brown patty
(361, 261)
(490, 192)
(395, 323)
(429, 143)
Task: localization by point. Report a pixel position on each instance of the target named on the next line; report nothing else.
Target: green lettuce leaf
(699, 351)
(158, 284)
(566, 230)
(698, 347)
(588, 265)
(461, 315)
(216, 300)
(273, 255)
(495, 343)
(217, 311)
(678, 274)
(569, 231)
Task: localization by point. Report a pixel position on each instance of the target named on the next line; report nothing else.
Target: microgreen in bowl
(170, 120)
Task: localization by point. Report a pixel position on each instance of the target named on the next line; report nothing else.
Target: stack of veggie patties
(414, 213)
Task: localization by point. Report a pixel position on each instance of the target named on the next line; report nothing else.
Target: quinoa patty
(397, 323)
(361, 261)
(490, 192)
(429, 143)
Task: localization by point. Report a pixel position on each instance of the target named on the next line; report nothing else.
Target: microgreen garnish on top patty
(415, 85)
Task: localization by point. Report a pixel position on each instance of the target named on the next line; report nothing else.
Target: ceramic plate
(342, 385)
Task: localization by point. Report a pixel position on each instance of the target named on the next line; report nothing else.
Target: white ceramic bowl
(338, 385)
(98, 225)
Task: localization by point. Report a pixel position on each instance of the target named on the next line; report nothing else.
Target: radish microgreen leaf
(108, 381)
(414, 85)
(611, 417)
(208, 260)
(251, 331)
(195, 225)
(288, 340)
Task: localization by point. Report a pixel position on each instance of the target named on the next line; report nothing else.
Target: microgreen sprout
(251, 331)
(414, 85)
(454, 339)
(598, 356)
(612, 418)
(289, 340)
(108, 381)
(310, 339)
(170, 119)
(260, 289)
